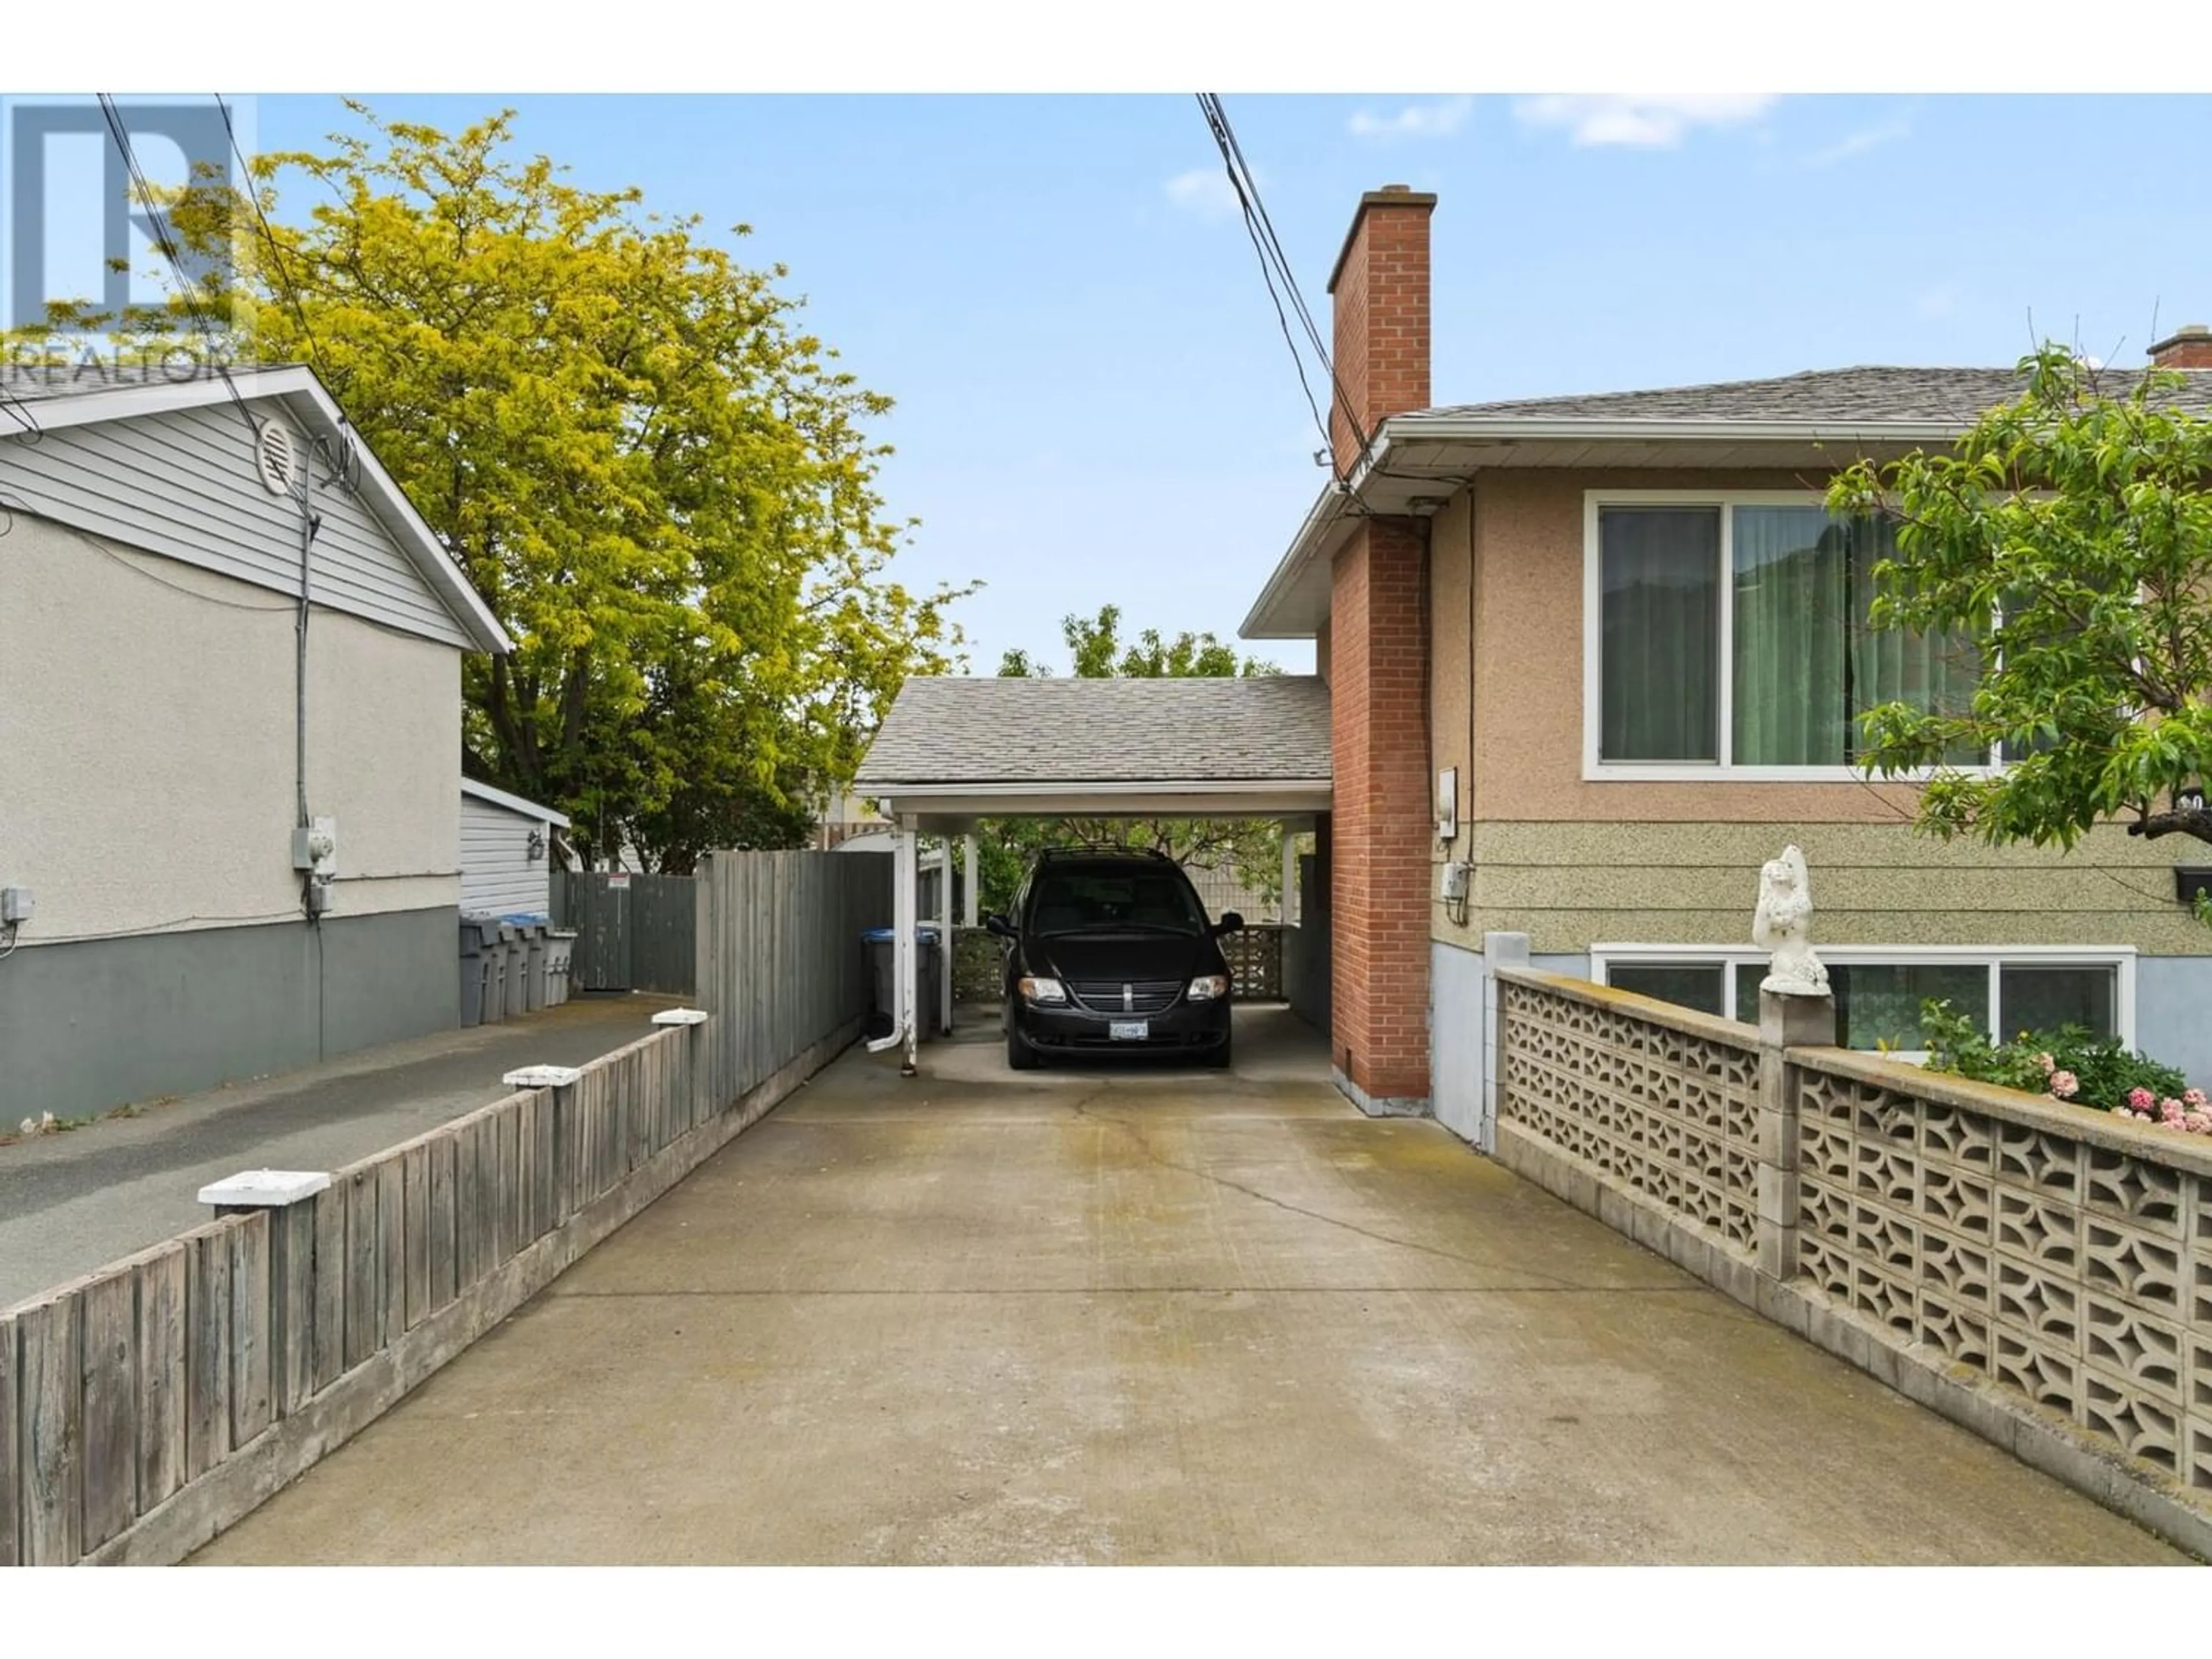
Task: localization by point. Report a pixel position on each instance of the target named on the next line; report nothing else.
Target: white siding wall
(184, 484)
(497, 873)
(146, 731)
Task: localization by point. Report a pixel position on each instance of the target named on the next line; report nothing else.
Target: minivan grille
(1143, 996)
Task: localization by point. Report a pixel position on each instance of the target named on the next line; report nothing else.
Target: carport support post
(942, 1014)
(971, 883)
(907, 944)
(1289, 900)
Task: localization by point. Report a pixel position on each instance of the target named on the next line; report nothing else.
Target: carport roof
(952, 740)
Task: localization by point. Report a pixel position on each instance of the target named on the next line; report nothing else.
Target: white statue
(1782, 925)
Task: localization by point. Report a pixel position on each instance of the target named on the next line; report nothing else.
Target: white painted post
(907, 944)
(943, 1010)
(1290, 875)
(971, 914)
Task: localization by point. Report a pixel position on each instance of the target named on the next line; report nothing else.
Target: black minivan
(1110, 950)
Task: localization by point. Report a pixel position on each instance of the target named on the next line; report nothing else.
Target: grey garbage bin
(560, 955)
(476, 969)
(534, 960)
(882, 962)
(515, 970)
(495, 970)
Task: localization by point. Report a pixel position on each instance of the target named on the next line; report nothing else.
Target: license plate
(1129, 1031)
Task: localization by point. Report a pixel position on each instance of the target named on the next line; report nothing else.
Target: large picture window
(1732, 634)
(1878, 991)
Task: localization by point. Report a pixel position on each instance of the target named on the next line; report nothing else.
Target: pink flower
(2141, 1098)
(2197, 1123)
(2194, 1099)
(2046, 1062)
(2063, 1086)
(2170, 1112)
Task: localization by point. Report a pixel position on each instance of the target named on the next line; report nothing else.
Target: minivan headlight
(1207, 987)
(1040, 990)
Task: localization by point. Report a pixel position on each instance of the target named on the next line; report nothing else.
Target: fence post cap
(264, 1189)
(680, 1017)
(542, 1076)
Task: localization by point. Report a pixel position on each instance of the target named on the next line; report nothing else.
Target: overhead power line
(1274, 271)
(283, 268)
(165, 242)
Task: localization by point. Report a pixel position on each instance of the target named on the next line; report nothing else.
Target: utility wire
(276, 248)
(1273, 263)
(165, 242)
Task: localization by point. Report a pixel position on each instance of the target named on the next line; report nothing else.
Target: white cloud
(1858, 144)
(1436, 120)
(1648, 121)
(1206, 191)
(1940, 301)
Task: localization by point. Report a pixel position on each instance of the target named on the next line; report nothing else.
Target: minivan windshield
(1115, 899)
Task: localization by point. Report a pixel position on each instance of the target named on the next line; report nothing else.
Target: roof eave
(1322, 531)
(300, 390)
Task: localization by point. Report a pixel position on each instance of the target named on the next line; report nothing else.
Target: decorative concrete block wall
(2040, 1274)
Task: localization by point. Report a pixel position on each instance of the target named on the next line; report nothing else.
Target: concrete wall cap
(680, 1017)
(542, 1077)
(270, 1189)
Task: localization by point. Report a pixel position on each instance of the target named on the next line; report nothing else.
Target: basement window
(1879, 989)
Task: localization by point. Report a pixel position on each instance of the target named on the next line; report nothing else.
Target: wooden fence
(639, 936)
(147, 1406)
(781, 954)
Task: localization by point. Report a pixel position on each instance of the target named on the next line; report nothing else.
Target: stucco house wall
(1573, 861)
(146, 708)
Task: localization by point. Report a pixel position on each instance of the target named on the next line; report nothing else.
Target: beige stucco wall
(1573, 862)
(147, 746)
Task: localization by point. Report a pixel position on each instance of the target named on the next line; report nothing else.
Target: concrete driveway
(1116, 1315)
(70, 1203)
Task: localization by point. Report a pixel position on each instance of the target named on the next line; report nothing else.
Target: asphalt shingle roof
(34, 382)
(1821, 396)
(950, 729)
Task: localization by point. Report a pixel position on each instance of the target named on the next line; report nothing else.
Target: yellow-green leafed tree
(663, 488)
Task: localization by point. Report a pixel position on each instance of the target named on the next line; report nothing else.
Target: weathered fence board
(53, 1433)
(207, 1351)
(390, 1250)
(415, 1200)
(251, 1395)
(11, 1452)
(444, 1278)
(364, 1319)
(110, 1359)
(161, 1388)
(291, 1307)
(329, 1287)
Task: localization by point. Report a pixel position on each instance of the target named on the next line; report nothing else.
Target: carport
(953, 749)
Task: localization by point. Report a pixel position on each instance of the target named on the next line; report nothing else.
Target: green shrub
(2103, 1072)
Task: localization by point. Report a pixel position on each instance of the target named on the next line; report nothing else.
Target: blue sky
(1094, 403)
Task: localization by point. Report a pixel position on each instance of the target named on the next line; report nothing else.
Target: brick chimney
(1377, 640)
(1381, 290)
(2189, 346)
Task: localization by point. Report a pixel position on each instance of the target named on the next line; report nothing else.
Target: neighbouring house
(506, 852)
(230, 707)
(1621, 635)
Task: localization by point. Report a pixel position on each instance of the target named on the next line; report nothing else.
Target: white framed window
(1725, 635)
(1878, 988)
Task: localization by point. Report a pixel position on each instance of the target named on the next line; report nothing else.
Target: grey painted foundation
(1458, 1062)
(2173, 1013)
(89, 1026)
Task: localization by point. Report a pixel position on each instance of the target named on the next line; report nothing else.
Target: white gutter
(1122, 787)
